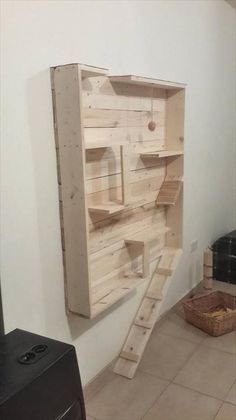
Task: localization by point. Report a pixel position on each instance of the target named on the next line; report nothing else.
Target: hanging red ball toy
(151, 125)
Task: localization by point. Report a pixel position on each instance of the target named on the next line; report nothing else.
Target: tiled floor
(184, 375)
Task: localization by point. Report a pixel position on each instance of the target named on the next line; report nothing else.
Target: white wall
(188, 41)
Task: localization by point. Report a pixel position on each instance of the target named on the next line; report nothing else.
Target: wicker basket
(196, 310)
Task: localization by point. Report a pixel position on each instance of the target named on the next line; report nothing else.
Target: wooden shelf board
(91, 71)
(106, 208)
(102, 145)
(146, 235)
(165, 203)
(113, 291)
(161, 153)
(146, 81)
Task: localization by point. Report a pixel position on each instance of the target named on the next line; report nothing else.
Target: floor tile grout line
(224, 402)
(187, 360)
(171, 381)
(181, 338)
(218, 410)
(156, 400)
(215, 348)
(197, 345)
(198, 392)
(195, 350)
(100, 388)
(229, 402)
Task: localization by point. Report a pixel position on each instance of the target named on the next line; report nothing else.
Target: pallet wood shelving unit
(120, 184)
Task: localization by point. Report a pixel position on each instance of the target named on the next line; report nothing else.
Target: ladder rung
(128, 355)
(144, 324)
(157, 296)
(164, 271)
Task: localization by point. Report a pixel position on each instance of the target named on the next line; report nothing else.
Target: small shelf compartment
(142, 239)
(111, 207)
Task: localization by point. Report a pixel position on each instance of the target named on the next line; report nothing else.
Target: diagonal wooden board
(147, 314)
(169, 191)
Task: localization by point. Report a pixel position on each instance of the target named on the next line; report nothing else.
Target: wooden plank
(102, 85)
(103, 137)
(69, 138)
(207, 271)
(92, 71)
(128, 258)
(161, 153)
(146, 81)
(101, 162)
(114, 118)
(175, 120)
(169, 192)
(116, 227)
(128, 355)
(156, 286)
(101, 145)
(125, 172)
(146, 259)
(121, 102)
(146, 235)
(147, 316)
(143, 324)
(164, 271)
(113, 292)
(208, 257)
(106, 208)
(114, 181)
(135, 177)
(139, 190)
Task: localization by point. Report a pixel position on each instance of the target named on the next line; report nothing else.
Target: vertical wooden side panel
(175, 141)
(66, 85)
(125, 173)
(175, 119)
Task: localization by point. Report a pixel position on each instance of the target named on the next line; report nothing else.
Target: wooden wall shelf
(146, 81)
(107, 209)
(161, 154)
(113, 182)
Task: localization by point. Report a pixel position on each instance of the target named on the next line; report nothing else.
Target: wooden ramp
(148, 314)
(169, 191)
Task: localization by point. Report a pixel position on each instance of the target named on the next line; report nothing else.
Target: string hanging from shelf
(152, 125)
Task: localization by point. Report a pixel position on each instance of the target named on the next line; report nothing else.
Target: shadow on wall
(40, 118)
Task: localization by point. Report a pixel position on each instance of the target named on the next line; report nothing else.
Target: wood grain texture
(69, 137)
(111, 170)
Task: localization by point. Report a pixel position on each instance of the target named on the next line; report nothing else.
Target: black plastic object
(39, 379)
(224, 258)
(1, 315)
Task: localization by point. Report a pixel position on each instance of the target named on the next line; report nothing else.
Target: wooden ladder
(147, 314)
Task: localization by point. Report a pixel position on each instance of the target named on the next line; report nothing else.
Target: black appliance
(39, 379)
(224, 258)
